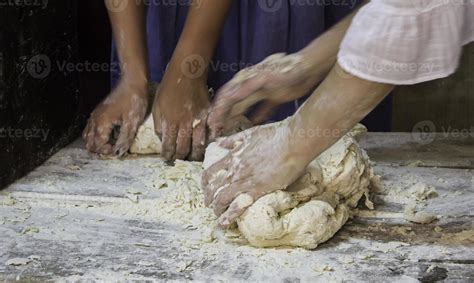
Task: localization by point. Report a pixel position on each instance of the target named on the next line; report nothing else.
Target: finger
(230, 207)
(263, 112)
(199, 139)
(102, 136)
(214, 178)
(157, 121)
(125, 138)
(227, 97)
(170, 135)
(236, 208)
(236, 125)
(85, 132)
(106, 149)
(89, 135)
(183, 142)
(223, 197)
(233, 141)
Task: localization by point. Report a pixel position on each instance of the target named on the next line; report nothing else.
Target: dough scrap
(146, 141)
(313, 208)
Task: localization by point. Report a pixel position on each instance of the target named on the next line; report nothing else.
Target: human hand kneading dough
(271, 157)
(125, 107)
(260, 161)
(278, 79)
(180, 113)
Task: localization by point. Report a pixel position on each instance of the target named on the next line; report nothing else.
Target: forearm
(341, 101)
(129, 32)
(201, 32)
(323, 50)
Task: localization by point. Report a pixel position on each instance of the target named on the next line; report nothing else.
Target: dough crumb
(411, 214)
(323, 268)
(438, 229)
(18, 261)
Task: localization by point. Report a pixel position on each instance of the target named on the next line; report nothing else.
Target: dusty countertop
(78, 217)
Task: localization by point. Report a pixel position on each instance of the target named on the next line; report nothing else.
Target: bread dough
(308, 212)
(146, 141)
(316, 206)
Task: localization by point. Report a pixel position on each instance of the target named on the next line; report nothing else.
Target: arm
(181, 106)
(126, 105)
(275, 86)
(129, 29)
(201, 32)
(269, 158)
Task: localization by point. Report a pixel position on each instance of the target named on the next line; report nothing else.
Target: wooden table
(74, 243)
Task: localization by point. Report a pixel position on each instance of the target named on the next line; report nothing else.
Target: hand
(125, 107)
(180, 115)
(278, 79)
(260, 160)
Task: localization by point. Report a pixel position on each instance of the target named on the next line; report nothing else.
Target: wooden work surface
(75, 243)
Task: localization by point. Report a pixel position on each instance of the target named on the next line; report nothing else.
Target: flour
(407, 190)
(308, 213)
(315, 207)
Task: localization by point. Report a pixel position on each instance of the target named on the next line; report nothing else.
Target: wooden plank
(80, 246)
(447, 103)
(438, 150)
(74, 171)
(59, 217)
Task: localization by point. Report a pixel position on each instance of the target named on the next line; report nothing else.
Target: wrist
(303, 140)
(139, 85)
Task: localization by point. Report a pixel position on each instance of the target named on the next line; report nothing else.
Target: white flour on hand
(316, 206)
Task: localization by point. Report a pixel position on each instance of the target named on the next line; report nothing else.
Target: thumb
(236, 208)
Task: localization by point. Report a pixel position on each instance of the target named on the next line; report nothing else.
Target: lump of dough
(277, 220)
(346, 170)
(146, 141)
(315, 206)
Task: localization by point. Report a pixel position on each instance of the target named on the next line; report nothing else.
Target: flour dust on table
(307, 213)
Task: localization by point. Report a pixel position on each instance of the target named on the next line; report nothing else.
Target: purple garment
(254, 29)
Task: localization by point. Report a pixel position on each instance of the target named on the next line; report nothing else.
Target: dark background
(42, 106)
